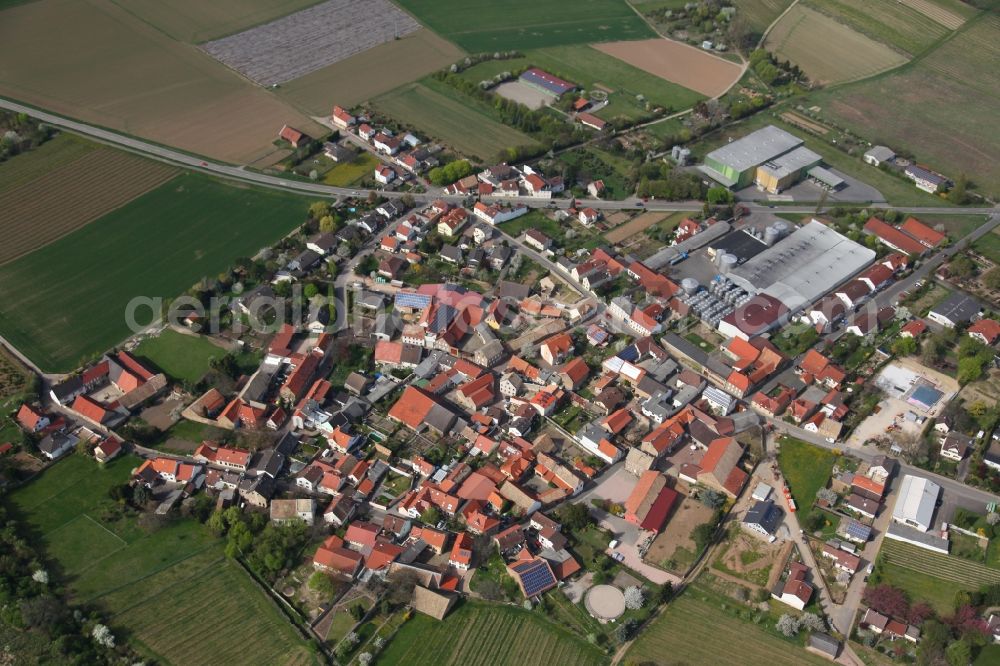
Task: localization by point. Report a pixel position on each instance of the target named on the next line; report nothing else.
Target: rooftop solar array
(406, 299)
(858, 531)
(536, 577)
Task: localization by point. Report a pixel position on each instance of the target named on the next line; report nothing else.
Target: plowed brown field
(682, 64)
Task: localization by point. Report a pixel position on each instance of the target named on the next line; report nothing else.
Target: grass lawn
(447, 115)
(940, 594)
(698, 631)
(525, 24)
(146, 580)
(806, 469)
(192, 431)
(67, 301)
(351, 173)
(988, 656)
(989, 246)
(488, 634)
(182, 357)
(534, 219)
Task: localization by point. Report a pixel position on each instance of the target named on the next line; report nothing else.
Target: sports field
(67, 300)
(681, 64)
(70, 194)
(386, 66)
(195, 21)
(891, 23)
(114, 70)
(179, 356)
(172, 589)
(479, 633)
(459, 125)
(846, 54)
(697, 632)
(591, 69)
(484, 27)
(942, 107)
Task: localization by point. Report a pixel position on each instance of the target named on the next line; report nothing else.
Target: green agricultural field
(695, 632)
(930, 576)
(590, 69)
(451, 119)
(806, 469)
(66, 302)
(196, 21)
(941, 107)
(146, 579)
(488, 634)
(480, 27)
(351, 173)
(179, 356)
(891, 23)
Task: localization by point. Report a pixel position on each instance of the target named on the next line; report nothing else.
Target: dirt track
(679, 63)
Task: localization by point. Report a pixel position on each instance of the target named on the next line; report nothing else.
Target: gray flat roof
(788, 163)
(803, 266)
(756, 148)
(826, 176)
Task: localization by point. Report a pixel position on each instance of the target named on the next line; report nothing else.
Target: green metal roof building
(735, 164)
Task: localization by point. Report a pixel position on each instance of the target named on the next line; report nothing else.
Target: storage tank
(728, 262)
(689, 285)
(782, 227)
(771, 235)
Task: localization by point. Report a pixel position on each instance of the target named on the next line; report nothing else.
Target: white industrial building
(916, 502)
(803, 266)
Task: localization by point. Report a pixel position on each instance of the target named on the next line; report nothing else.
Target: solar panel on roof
(536, 577)
(858, 531)
(630, 353)
(410, 300)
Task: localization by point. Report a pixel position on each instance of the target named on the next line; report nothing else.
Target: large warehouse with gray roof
(803, 266)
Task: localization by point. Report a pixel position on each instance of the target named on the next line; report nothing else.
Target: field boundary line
(87, 516)
(148, 575)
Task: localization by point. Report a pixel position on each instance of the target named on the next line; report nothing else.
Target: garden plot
(311, 39)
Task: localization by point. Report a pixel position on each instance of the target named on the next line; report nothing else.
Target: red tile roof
(922, 232)
(894, 237)
(90, 409)
(987, 328)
